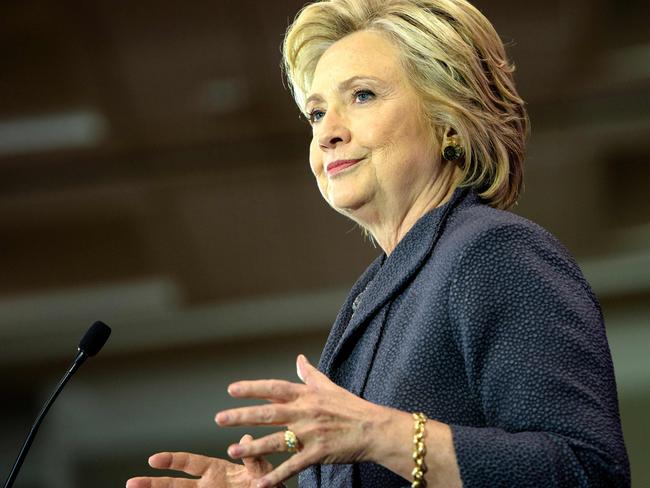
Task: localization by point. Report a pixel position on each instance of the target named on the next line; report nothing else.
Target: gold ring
(291, 440)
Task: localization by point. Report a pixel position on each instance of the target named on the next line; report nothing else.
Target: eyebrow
(343, 86)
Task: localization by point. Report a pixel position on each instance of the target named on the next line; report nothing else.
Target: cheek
(384, 145)
(405, 139)
(381, 133)
(315, 158)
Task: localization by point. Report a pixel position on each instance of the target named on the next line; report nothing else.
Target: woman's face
(372, 152)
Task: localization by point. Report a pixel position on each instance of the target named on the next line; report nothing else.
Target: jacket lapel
(343, 318)
(382, 282)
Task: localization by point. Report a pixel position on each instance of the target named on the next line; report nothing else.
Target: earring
(453, 151)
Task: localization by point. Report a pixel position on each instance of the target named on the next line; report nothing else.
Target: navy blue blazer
(482, 320)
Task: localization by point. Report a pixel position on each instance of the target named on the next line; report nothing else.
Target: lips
(340, 165)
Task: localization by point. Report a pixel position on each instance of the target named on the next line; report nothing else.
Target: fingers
(270, 414)
(143, 482)
(189, 463)
(274, 390)
(286, 470)
(308, 373)
(298, 372)
(138, 483)
(192, 464)
(265, 445)
(256, 466)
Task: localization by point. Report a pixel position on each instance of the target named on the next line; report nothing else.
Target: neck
(389, 228)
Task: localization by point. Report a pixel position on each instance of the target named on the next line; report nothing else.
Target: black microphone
(90, 344)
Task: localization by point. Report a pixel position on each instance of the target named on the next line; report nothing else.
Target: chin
(346, 204)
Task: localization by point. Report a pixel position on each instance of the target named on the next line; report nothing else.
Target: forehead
(363, 53)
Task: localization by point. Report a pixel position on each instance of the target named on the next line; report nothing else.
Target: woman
(473, 317)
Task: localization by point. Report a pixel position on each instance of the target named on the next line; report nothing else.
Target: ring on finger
(291, 440)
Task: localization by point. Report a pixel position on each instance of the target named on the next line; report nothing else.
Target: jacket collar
(387, 276)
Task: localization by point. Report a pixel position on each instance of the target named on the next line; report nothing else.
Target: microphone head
(94, 338)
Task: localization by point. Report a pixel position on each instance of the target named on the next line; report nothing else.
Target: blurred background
(154, 175)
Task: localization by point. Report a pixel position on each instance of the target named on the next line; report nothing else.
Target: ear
(448, 133)
(307, 372)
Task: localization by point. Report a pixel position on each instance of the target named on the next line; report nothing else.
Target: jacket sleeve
(536, 356)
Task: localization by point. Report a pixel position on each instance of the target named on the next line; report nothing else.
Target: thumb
(307, 372)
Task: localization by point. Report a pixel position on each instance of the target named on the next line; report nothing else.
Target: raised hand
(211, 472)
(331, 424)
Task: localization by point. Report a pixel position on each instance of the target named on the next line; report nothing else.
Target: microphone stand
(78, 361)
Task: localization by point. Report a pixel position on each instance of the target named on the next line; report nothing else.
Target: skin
(211, 472)
(362, 106)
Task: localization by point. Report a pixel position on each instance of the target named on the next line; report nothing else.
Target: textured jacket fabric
(482, 320)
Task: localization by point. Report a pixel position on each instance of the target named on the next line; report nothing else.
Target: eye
(363, 96)
(315, 115)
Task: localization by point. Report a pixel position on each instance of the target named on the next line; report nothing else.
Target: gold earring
(453, 151)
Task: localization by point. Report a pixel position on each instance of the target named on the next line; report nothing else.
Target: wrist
(390, 444)
(391, 437)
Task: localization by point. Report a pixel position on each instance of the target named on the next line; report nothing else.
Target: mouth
(336, 167)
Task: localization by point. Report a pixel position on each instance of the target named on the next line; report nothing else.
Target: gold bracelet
(419, 451)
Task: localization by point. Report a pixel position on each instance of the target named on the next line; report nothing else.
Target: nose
(333, 130)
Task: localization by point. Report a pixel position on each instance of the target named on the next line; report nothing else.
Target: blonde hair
(457, 63)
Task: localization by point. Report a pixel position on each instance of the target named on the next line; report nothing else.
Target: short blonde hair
(456, 62)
